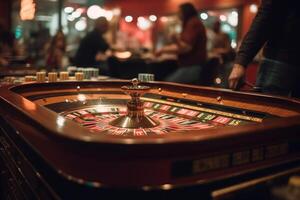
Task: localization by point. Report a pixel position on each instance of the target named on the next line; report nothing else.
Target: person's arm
(171, 48)
(180, 47)
(252, 42)
(103, 56)
(257, 35)
(104, 50)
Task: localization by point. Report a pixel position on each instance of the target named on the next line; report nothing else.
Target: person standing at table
(276, 27)
(221, 44)
(190, 46)
(56, 57)
(93, 47)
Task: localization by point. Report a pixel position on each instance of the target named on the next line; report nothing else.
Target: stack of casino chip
(80, 69)
(52, 76)
(29, 78)
(145, 77)
(79, 76)
(90, 73)
(95, 73)
(41, 76)
(87, 73)
(64, 76)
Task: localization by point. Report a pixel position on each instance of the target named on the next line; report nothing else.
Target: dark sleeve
(100, 44)
(257, 34)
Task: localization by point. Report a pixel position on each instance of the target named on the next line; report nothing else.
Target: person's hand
(100, 56)
(108, 53)
(237, 72)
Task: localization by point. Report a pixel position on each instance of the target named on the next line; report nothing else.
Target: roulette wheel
(117, 138)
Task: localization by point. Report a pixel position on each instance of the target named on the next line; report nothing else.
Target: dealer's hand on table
(238, 71)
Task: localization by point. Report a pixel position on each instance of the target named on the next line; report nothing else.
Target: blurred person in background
(189, 46)
(221, 55)
(38, 44)
(8, 46)
(94, 49)
(56, 53)
(221, 44)
(276, 28)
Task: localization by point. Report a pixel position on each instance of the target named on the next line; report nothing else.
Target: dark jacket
(277, 28)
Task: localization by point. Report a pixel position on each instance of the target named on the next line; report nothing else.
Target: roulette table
(118, 138)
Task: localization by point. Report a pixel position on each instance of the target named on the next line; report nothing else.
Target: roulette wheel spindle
(135, 117)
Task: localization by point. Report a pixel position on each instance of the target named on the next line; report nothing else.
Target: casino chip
(145, 77)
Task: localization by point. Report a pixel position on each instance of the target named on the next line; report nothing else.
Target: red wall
(5, 12)
(163, 7)
(137, 8)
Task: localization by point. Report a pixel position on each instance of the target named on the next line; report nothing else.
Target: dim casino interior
(120, 127)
